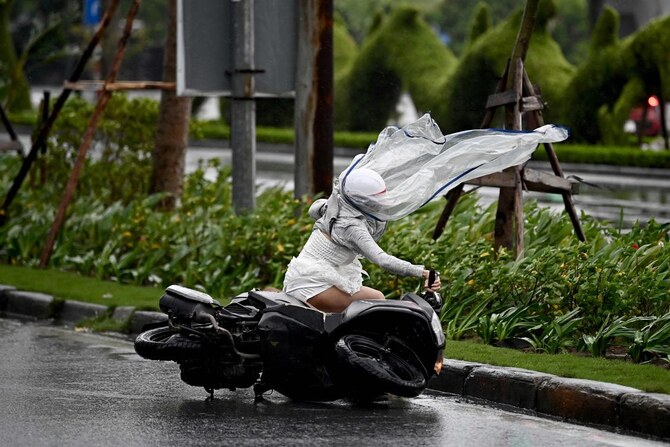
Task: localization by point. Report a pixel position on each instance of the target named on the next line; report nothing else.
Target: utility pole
(243, 107)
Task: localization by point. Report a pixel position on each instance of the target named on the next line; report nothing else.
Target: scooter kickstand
(259, 389)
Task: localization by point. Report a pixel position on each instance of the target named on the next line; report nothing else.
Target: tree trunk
(172, 132)
(15, 95)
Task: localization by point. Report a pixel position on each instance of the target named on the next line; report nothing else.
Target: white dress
(320, 265)
(327, 261)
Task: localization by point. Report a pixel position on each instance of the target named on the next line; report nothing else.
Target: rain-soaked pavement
(59, 387)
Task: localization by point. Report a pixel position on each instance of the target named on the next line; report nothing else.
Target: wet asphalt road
(59, 387)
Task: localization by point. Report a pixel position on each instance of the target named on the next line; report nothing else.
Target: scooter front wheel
(380, 367)
(165, 343)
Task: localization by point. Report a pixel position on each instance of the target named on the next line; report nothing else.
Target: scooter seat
(274, 298)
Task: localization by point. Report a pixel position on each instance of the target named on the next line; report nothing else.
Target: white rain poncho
(418, 163)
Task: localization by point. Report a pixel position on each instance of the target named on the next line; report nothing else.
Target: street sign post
(205, 49)
(240, 49)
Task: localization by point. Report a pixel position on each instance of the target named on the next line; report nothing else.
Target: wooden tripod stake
(516, 93)
(103, 99)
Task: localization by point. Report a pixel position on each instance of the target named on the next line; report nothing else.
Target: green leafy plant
(461, 316)
(556, 335)
(598, 343)
(119, 161)
(652, 340)
(505, 325)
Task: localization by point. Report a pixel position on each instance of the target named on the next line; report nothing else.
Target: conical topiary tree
(465, 93)
(14, 87)
(649, 52)
(481, 22)
(598, 81)
(402, 54)
(617, 76)
(345, 50)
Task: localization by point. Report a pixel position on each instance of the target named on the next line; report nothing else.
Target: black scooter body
(276, 342)
(297, 341)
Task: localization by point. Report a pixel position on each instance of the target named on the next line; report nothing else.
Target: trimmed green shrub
(402, 54)
(608, 155)
(649, 49)
(481, 22)
(345, 47)
(464, 94)
(345, 53)
(617, 76)
(597, 82)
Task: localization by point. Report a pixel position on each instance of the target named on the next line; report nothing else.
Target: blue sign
(92, 12)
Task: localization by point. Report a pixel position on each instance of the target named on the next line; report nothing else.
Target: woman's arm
(359, 239)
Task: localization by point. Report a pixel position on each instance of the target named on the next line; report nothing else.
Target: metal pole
(304, 100)
(314, 99)
(243, 107)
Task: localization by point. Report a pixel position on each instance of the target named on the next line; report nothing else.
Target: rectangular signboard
(205, 52)
(92, 12)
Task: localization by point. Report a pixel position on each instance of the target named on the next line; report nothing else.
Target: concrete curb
(35, 306)
(25, 305)
(588, 402)
(603, 405)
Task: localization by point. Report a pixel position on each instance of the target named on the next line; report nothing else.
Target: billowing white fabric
(417, 163)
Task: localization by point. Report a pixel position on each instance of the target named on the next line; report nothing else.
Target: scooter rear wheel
(380, 367)
(165, 343)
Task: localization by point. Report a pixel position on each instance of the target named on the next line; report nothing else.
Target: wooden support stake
(103, 99)
(517, 94)
(452, 198)
(490, 112)
(120, 85)
(555, 165)
(509, 215)
(60, 102)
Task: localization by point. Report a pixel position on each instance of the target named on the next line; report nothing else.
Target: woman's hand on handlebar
(436, 284)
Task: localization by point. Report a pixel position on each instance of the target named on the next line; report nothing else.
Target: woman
(417, 164)
(327, 273)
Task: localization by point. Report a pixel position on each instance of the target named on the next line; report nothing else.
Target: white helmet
(363, 182)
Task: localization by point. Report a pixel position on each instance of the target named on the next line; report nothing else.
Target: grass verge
(650, 378)
(71, 286)
(64, 285)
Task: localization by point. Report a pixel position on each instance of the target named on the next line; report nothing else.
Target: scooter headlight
(436, 325)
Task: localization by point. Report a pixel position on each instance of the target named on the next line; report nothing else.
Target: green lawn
(65, 285)
(649, 378)
(71, 286)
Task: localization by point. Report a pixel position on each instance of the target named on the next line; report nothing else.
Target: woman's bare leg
(335, 300)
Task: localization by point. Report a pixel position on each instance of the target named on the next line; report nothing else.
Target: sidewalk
(607, 406)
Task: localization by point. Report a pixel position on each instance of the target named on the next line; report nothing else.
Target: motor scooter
(273, 341)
